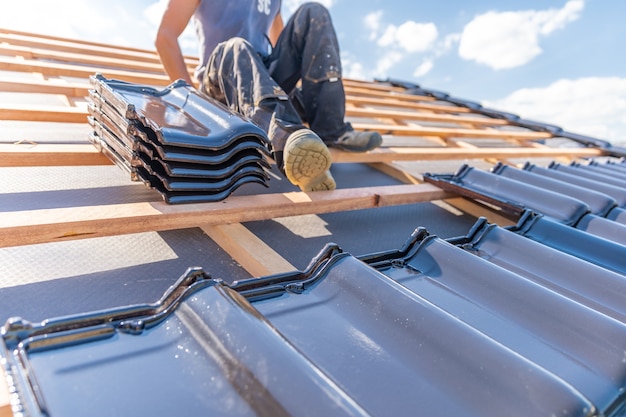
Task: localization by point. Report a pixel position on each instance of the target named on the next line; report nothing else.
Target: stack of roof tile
(185, 145)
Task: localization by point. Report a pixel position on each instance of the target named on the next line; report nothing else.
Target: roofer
(276, 75)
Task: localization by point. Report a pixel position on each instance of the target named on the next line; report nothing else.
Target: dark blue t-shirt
(219, 20)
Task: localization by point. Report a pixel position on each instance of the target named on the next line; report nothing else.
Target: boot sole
(307, 161)
(324, 182)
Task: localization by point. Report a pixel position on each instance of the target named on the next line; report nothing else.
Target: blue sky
(556, 61)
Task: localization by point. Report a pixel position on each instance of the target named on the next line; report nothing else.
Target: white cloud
(388, 61)
(569, 13)
(352, 68)
(410, 36)
(402, 43)
(593, 106)
(448, 42)
(503, 40)
(424, 68)
(373, 23)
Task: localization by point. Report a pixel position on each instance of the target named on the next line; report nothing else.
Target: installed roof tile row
(563, 201)
(522, 320)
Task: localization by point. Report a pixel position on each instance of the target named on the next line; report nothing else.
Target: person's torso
(219, 20)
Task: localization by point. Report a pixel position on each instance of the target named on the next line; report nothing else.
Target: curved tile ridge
(213, 355)
(617, 193)
(393, 350)
(599, 203)
(582, 281)
(605, 217)
(178, 114)
(572, 341)
(597, 250)
(259, 362)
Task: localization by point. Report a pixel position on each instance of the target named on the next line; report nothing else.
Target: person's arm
(276, 28)
(175, 19)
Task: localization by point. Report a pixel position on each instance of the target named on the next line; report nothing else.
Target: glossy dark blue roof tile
(506, 191)
(615, 192)
(576, 242)
(598, 202)
(177, 140)
(343, 338)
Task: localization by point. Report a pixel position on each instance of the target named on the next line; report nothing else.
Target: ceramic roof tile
(188, 147)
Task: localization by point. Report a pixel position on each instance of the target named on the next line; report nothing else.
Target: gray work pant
(264, 89)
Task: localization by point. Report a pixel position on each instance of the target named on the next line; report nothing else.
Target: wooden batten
(53, 69)
(48, 65)
(52, 225)
(474, 121)
(44, 114)
(25, 85)
(393, 102)
(30, 154)
(442, 154)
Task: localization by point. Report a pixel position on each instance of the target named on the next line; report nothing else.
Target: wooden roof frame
(59, 66)
(38, 64)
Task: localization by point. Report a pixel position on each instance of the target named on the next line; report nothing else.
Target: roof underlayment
(473, 265)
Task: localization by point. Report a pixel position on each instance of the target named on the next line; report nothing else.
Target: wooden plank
(83, 59)
(41, 36)
(391, 102)
(52, 225)
(44, 114)
(75, 47)
(421, 116)
(467, 145)
(24, 85)
(254, 255)
(74, 115)
(452, 132)
(84, 47)
(351, 82)
(86, 154)
(368, 92)
(79, 71)
(29, 154)
(436, 153)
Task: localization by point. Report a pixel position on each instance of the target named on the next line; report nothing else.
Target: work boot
(307, 161)
(354, 141)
